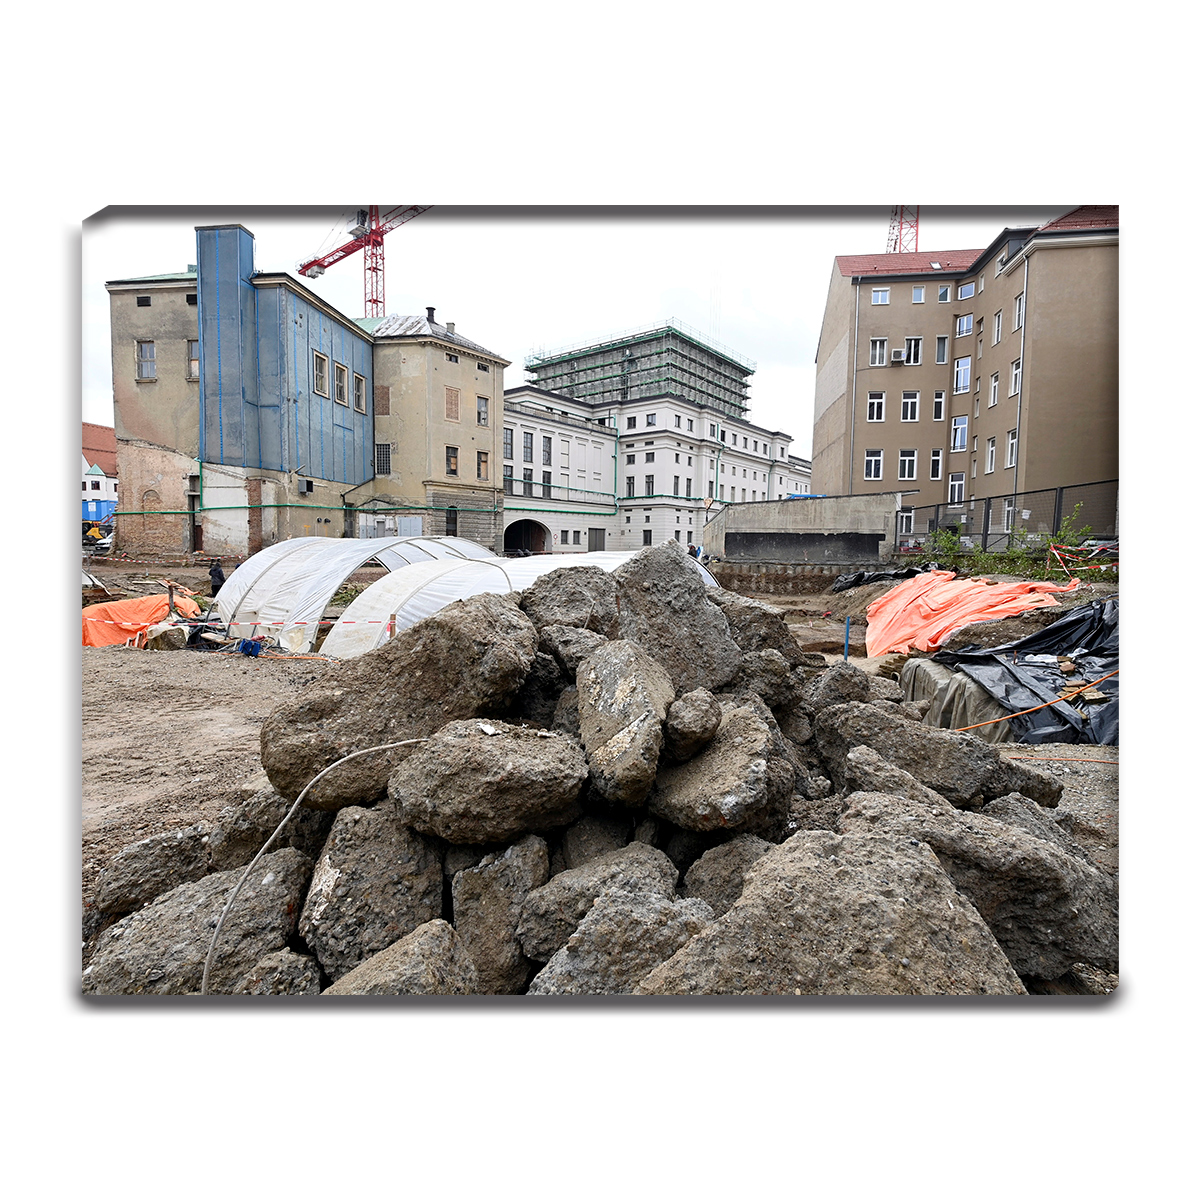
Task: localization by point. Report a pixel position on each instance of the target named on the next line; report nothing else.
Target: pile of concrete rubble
(627, 784)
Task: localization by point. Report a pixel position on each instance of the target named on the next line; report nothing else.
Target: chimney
(429, 315)
(449, 326)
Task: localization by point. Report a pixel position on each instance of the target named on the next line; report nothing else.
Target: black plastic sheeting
(844, 583)
(1090, 637)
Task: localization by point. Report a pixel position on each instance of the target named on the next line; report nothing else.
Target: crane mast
(902, 232)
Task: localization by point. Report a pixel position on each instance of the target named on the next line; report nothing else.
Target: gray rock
(429, 961)
(765, 673)
(488, 781)
(241, 830)
(692, 722)
(883, 688)
(684, 846)
(463, 858)
(648, 831)
(839, 683)
(487, 910)
(469, 659)
(537, 700)
(665, 609)
(755, 626)
(376, 880)
(795, 725)
(585, 597)
(1026, 814)
(173, 637)
(593, 835)
(625, 935)
(623, 696)
(740, 782)
(824, 914)
(815, 812)
(964, 769)
(566, 713)
(568, 645)
(1046, 908)
(146, 869)
(716, 877)
(160, 949)
(551, 913)
(281, 973)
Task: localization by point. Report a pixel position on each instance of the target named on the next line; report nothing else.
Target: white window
(989, 463)
(341, 380)
(1015, 385)
(873, 464)
(881, 295)
(904, 522)
(958, 433)
(942, 353)
(997, 324)
(875, 403)
(1010, 511)
(1019, 311)
(957, 488)
(360, 394)
(912, 351)
(878, 352)
(979, 350)
(918, 293)
(944, 294)
(962, 375)
(964, 325)
(966, 291)
(1010, 450)
(908, 464)
(910, 406)
(481, 410)
(994, 391)
(652, 418)
(939, 406)
(193, 353)
(935, 464)
(320, 374)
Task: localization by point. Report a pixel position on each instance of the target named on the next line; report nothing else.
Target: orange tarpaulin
(924, 611)
(114, 623)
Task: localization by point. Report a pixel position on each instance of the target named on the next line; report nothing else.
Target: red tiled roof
(1086, 216)
(912, 263)
(100, 447)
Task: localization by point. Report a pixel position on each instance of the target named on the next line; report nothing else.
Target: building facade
(968, 376)
(98, 472)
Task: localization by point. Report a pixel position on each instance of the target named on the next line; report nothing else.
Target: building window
(481, 410)
(997, 324)
(979, 350)
(565, 538)
(575, 538)
(957, 488)
(722, 496)
(547, 486)
(966, 291)
(908, 464)
(649, 456)
(678, 422)
(875, 405)
(962, 374)
(482, 366)
(964, 325)
(939, 406)
(631, 422)
(508, 443)
(676, 486)
(712, 431)
(652, 418)
(452, 522)
(1010, 450)
(942, 353)
(944, 294)
(687, 487)
(904, 522)
(691, 428)
(630, 459)
(451, 460)
(629, 486)
(191, 297)
(527, 447)
(989, 462)
(1019, 311)
(873, 464)
(145, 361)
(481, 464)
(878, 352)
(508, 480)
(912, 351)
(649, 485)
(143, 302)
(360, 394)
(994, 390)
(383, 458)
(935, 464)
(193, 354)
(958, 433)
(881, 295)
(918, 293)
(452, 358)
(1010, 511)
(910, 406)
(647, 537)
(85, 483)
(341, 381)
(451, 404)
(527, 481)
(1015, 385)
(95, 485)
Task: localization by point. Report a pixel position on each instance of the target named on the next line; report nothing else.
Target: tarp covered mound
(924, 611)
(1027, 673)
(853, 579)
(112, 624)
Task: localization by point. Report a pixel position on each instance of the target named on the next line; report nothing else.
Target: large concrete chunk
(755, 626)
(826, 914)
(665, 608)
(468, 659)
(718, 875)
(281, 973)
(626, 933)
(375, 881)
(152, 866)
(241, 830)
(622, 696)
(568, 645)
(593, 835)
(430, 961)
(488, 781)
(160, 949)
(551, 913)
(585, 597)
(692, 722)
(487, 909)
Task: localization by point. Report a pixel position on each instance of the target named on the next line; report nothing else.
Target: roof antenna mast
(902, 232)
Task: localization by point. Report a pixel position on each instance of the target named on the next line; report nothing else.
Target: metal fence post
(1056, 525)
(987, 522)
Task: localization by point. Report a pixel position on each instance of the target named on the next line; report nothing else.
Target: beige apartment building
(964, 376)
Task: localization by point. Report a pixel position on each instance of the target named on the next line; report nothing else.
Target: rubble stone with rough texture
(147, 868)
(537, 700)
(717, 876)
(754, 625)
(429, 961)
(241, 830)
(765, 673)
(281, 973)
(469, 659)
(692, 722)
(585, 597)
(593, 835)
(829, 914)
(375, 881)
(568, 645)
(488, 781)
(839, 683)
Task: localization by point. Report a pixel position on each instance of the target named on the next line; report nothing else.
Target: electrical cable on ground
(212, 946)
(1068, 696)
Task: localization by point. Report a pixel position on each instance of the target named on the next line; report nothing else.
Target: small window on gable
(340, 385)
(143, 302)
(191, 297)
(452, 358)
(360, 394)
(944, 294)
(918, 293)
(482, 367)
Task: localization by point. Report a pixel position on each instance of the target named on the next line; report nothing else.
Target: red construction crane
(902, 233)
(367, 232)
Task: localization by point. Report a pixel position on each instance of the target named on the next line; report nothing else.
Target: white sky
(516, 281)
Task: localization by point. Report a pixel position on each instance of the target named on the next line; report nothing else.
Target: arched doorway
(527, 535)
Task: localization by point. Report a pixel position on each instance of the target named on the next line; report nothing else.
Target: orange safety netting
(112, 624)
(924, 611)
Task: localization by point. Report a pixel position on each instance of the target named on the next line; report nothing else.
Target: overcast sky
(515, 281)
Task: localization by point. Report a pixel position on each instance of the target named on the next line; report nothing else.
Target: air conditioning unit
(897, 356)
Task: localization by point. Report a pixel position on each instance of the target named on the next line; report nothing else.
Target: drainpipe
(1021, 393)
(854, 380)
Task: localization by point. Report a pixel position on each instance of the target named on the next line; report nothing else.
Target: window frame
(912, 344)
(913, 398)
(962, 375)
(482, 414)
(966, 290)
(359, 388)
(936, 464)
(482, 466)
(994, 390)
(989, 459)
(939, 407)
(941, 350)
(341, 384)
(880, 399)
(907, 458)
(918, 287)
(1018, 311)
(383, 455)
(964, 325)
(872, 459)
(526, 446)
(1010, 450)
(958, 426)
(881, 295)
(1014, 383)
(190, 342)
(943, 293)
(140, 362)
(997, 326)
(507, 450)
(956, 481)
(451, 462)
(877, 356)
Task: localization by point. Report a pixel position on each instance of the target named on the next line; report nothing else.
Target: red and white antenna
(902, 232)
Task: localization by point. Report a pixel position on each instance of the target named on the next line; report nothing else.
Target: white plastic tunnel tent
(403, 598)
(285, 589)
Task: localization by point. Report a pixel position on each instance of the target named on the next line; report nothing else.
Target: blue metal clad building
(259, 337)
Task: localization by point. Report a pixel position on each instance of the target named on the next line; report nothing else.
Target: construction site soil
(172, 738)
